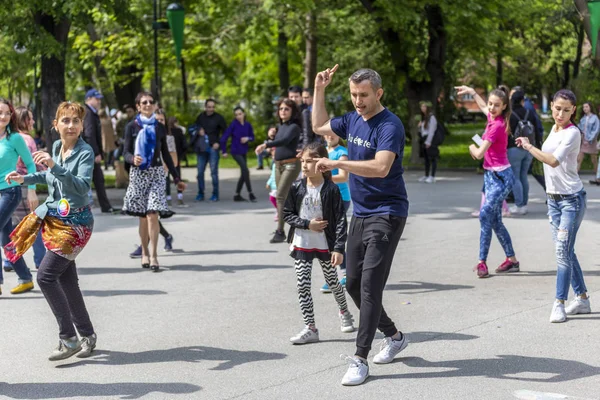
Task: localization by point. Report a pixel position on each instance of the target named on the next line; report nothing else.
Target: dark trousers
(245, 176)
(57, 278)
(372, 242)
(98, 179)
(430, 164)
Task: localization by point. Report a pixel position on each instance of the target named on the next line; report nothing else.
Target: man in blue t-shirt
(375, 149)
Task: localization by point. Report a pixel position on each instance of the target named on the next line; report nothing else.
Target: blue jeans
(208, 157)
(261, 157)
(520, 161)
(565, 218)
(9, 200)
(496, 186)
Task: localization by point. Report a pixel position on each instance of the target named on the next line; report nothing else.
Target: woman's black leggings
(430, 164)
(245, 177)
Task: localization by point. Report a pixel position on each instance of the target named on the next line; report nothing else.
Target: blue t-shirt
(384, 131)
(336, 154)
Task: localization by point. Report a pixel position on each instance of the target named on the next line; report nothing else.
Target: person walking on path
(288, 165)
(376, 141)
(66, 222)
(241, 133)
(12, 147)
(206, 144)
(498, 177)
(92, 134)
(145, 143)
(315, 213)
(566, 202)
(590, 127)
(108, 138)
(429, 148)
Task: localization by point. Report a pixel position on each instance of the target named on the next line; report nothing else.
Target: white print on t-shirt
(311, 208)
(359, 142)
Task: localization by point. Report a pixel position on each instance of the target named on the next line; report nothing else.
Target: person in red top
(498, 177)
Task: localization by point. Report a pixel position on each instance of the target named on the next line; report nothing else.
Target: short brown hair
(22, 118)
(139, 96)
(66, 106)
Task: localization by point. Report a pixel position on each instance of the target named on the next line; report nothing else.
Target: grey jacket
(70, 179)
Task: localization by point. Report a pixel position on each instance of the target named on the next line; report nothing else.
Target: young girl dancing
(315, 211)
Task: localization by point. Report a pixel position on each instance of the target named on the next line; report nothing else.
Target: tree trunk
(310, 62)
(186, 98)
(499, 67)
(282, 56)
(126, 93)
(53, 69)
(102, 80)
(577, 62)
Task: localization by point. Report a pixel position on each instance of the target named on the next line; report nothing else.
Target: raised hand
(460, 90)
(323, 79)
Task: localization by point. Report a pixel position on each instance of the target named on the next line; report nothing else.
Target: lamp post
(176, 18)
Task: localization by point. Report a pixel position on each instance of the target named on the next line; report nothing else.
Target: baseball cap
(93, 93)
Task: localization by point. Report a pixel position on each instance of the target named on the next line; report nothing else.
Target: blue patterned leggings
(497, 185)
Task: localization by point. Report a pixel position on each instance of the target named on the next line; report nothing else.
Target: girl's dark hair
(501, 92)
(566, 94)
(10, 128)
(160, 111)
(317, 150)
(425, 117)
(22, 119)
(591, 108)
(171, 122)
(295, 119)
(239, 108)
(138, 98)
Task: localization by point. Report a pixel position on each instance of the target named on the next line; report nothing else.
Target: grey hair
(366, 74)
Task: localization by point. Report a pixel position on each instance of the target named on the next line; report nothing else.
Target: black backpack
(439, 135)
(525, 128)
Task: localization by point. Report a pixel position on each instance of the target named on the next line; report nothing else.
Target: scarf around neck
(146, 140)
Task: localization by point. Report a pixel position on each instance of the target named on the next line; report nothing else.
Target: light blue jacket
(271, 181)
(590, 133)
(70, 179)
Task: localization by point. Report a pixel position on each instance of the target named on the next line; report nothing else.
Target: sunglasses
(284, 109)
(147, 102)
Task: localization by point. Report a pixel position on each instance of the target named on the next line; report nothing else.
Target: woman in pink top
(498, 177)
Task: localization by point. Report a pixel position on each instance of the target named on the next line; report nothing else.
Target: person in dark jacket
(206, 145)
(316, 214)
(287, 164)
(241, 134)
(92, 134)
(308, 136)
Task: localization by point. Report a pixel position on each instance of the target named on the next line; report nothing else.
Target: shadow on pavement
(181, 252)
(60, 390)
(413, 287)
(193, 354)
(109, 293)
(228, 269)
(547, 273)
(501, 367)
(421, 337)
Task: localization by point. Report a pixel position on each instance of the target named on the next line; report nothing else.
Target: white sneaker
(347, 322)
(357, 373)
(578, 306)
(423, 178)
(558, 312)
(306, 335)
(389, 349)
(518, 210)
(430, 179)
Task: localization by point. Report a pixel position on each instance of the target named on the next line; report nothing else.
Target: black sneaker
(252, 197)
(260, 168)
(237, 197)
(278, 237)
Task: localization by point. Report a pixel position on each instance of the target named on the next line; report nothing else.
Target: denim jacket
(69, 179)
(590, 132)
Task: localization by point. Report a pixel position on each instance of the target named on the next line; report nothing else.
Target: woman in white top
(429, 149)
(566, 202)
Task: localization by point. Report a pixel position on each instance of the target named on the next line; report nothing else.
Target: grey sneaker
(389, 349)
(578, 306)
(347, 322)
(88, 344)
(306, 335)
(66, 348)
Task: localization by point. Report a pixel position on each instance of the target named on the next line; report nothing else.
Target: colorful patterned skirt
(64, 236)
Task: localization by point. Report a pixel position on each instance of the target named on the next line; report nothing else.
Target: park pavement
(215, 322)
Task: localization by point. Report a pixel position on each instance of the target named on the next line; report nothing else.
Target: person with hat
(92, 134)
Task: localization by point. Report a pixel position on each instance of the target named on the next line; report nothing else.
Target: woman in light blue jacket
(590, 126)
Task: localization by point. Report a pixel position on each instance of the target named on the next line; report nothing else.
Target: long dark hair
(10, 128)
(160, 111)
(295, 119)
(425, 117)
(591, 108)
(566, 94)
(501, 92)
(317, 150)
(22, 119)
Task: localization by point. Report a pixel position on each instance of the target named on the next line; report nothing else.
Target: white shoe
(357, 373)
(423, 178)
(558, 312)
(518, 210)
(306, 335)
(389, 349)
(578, 306)
(430, 179)
(347, 320)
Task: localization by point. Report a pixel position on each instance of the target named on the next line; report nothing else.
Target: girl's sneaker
(558, 312)
(347, 322)
(578, 306)
(357, 373)
(423, 178)
(482, 270)
(325, 288)
(508, 266)
(306, 335)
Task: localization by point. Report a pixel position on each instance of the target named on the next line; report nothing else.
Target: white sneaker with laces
(430, 179)
(347, 320)
(357, 373)
(423, 178)
(578, 306)
(389, 348)
(306, 335)
(558, 312)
